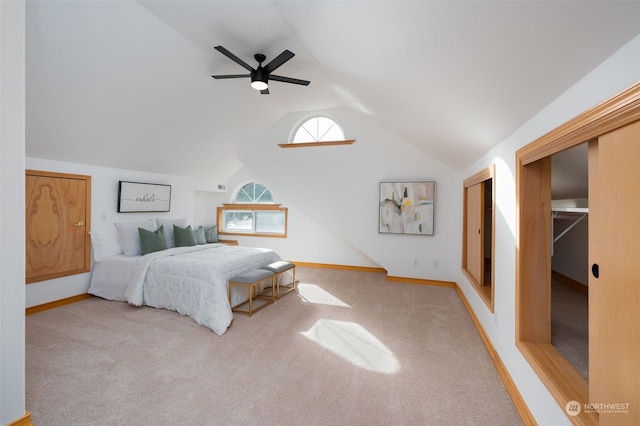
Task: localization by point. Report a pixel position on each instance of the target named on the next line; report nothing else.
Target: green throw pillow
(211, 234)
(151, 241)
(184, 236)
(199, 234)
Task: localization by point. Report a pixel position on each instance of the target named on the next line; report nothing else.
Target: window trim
(481, 177)
(251, 207)
(308, 144)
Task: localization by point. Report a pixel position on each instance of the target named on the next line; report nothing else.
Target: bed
(192, 280)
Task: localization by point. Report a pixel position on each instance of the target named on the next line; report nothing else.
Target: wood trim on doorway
(622, 109)
(533, 260)
(476, 265)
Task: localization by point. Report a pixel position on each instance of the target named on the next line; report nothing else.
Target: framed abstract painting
(407, 207)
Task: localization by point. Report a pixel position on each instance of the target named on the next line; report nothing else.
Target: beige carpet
(570, 326)
(349, 349)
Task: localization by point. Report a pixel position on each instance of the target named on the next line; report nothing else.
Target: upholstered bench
(279, 268)
(251, 280)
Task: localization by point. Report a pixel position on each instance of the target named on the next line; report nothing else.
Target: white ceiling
(123, 83)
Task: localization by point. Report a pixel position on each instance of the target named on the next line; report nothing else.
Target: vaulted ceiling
(127, 84)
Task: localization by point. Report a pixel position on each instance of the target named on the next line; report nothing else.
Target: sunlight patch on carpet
(311, 293)
(353, 343)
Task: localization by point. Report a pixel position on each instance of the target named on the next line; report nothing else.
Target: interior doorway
(570, 256)
(612, 131)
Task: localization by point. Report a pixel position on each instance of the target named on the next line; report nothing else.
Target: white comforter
(194, 280)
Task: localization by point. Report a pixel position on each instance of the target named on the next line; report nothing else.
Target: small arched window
(254, 193)
(253, 212)
(319, 129)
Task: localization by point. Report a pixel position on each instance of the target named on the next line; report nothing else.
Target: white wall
(337, 188)
(12, 275)
(571, 251)
(616, 74)
(307, 240)
(570, 254)
(104, 199)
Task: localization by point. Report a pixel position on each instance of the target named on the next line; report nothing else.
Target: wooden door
(57, 225)
(475, 236)
(614, 297)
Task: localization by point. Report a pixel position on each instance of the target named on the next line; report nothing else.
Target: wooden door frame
(533, 260)
(480, 178)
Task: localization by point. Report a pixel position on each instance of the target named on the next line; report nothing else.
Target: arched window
(254, 193)
(319, 129)
(253, 212)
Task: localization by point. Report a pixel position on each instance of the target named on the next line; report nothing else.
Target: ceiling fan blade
(264, 92)
(278, 61)
(234, 58)
(289, 80)
(231, 76)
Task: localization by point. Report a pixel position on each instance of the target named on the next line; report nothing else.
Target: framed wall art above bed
(143, 197)
(407, 207)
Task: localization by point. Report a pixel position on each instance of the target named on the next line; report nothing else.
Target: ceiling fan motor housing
(259, 75)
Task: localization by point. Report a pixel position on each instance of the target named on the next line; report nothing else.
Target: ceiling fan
(260, 76)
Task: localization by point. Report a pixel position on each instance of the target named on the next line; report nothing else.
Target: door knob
(79, 224)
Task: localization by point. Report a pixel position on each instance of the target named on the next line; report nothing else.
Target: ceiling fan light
(259, 85)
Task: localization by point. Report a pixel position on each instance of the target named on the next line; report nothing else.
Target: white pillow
(129, 236)
(168, 228)
(104, 244)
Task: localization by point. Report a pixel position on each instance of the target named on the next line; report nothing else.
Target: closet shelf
(575, 214)
(571, 209)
